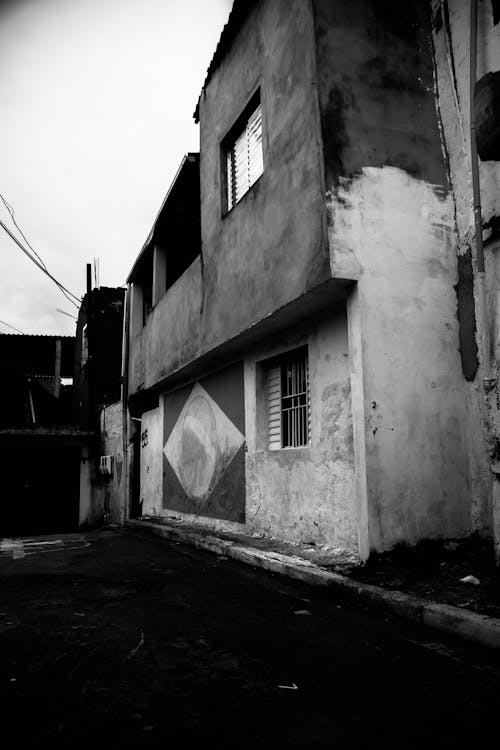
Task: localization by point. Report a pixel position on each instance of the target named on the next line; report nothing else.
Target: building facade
(295, 364)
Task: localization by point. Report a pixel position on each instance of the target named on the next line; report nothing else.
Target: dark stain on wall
(492, 228)
(487, 112)
(337, 141)
(376, 88)
(495, 7)
(467, 316)
(400, 19)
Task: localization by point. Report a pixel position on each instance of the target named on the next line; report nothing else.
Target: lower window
(288, 406)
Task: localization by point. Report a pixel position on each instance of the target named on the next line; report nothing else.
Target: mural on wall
(204, 447)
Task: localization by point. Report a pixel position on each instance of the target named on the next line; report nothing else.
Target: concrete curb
(453, 620)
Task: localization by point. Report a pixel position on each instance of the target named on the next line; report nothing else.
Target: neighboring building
(46, 487)
(454, 38)
(98, 375)
(294, 350)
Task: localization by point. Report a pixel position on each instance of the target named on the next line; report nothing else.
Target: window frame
(228, 143)
(275, 431)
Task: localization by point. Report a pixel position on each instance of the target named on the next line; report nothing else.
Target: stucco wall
(306, 495)
(151, 461)
(416, 431)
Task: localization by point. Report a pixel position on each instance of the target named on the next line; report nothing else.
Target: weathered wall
(415, 412)
(390, 217)
(306, 495)
(109, 492)
(151, 460)
(451, 37)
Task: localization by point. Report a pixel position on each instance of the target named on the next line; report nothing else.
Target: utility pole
(57, 370)
(90, 349)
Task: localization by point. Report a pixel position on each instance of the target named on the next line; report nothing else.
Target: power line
(9, 326)
(11, 212)
(63, 289)
(66, 313)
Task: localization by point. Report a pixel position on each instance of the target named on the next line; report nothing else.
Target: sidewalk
(433, 568)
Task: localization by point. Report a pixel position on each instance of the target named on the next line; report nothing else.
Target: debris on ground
(470, 579)
(437, 570)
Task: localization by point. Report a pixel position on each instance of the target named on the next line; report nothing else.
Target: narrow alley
(118, 637)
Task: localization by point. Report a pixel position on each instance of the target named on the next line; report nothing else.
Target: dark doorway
(40, 490)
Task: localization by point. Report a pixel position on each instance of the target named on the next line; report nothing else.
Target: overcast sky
(97, 99)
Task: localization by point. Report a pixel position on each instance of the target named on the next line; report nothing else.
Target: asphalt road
(129, 640)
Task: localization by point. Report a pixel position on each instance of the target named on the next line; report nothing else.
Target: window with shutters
(242, 150)
(288, 406)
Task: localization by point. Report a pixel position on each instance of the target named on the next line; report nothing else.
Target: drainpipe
(488, 379)
(124, 512)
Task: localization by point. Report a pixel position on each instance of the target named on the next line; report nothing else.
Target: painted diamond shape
(201, 445)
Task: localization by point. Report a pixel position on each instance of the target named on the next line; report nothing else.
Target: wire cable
(11, 212)
(63, 289)
(9, 326)
(58, 309)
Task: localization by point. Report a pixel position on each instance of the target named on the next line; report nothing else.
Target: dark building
(98, 353)
(98, 382)
(42, 448)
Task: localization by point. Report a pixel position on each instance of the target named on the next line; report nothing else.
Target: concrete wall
(109, 492)
(415, 413)
(151, 461)
(271, 246)
(452, 44)
(391, 218)
(305, 495)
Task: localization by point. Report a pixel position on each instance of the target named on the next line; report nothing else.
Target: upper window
(288, 402)
(243, 153)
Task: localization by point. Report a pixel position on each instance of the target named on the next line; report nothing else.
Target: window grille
(288, 404)
(245, 161)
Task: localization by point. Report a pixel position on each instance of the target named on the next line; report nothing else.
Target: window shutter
(274, 408)
(245, 162)
(254, 141)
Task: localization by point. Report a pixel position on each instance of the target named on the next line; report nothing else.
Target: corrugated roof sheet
(38, 335)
